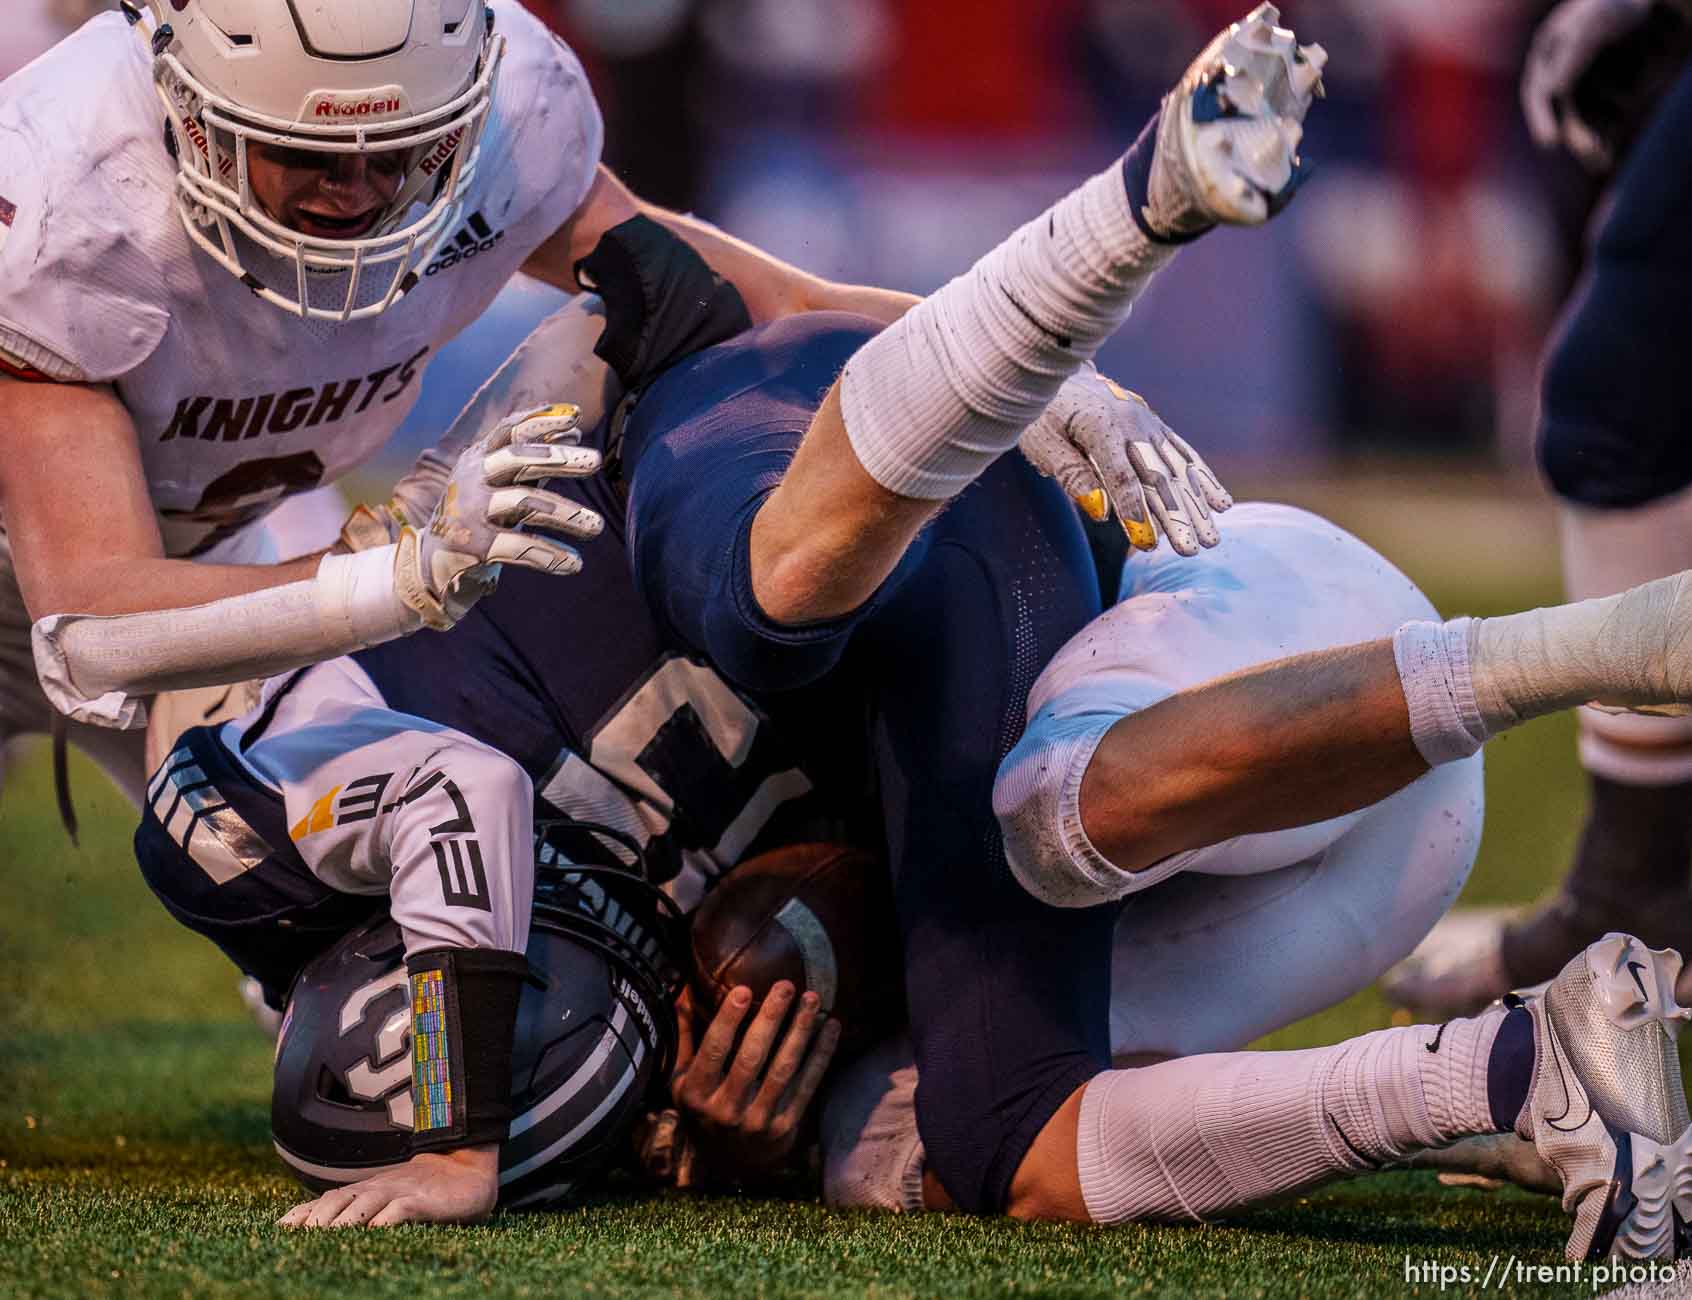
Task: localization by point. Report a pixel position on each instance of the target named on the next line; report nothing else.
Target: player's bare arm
(770, 287)
(84, 534)
(240, 625)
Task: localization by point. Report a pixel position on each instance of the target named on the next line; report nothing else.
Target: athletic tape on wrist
(463, 1014)
(357, 599)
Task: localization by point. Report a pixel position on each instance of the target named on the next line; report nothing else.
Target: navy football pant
(1617, 407)
(1008, 998)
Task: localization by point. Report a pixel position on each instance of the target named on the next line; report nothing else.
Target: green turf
(134, 1154)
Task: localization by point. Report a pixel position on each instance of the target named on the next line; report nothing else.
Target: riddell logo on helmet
(343, 108)
(444, 148)
(197, 136)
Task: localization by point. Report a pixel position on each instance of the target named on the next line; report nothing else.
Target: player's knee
(1037, 798)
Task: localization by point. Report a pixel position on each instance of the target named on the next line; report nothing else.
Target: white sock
(1195, 1137)
(936, 397)
(1433, 667)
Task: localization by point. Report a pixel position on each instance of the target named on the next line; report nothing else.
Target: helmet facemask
(319, 277)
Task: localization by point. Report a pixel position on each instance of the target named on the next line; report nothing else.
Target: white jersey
(236, 403)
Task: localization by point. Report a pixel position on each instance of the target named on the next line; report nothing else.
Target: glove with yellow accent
(454, 560)
(1106, 447)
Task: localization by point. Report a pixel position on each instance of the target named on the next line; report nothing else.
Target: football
(820, 915)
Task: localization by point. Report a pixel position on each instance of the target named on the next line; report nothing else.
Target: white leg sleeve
(1193, 1138)
(932, 400)
(93, 669)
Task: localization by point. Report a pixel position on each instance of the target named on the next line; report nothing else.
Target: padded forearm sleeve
(95, 668)
(463, 1013)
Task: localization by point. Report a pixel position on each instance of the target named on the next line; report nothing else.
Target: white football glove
(454, 561)
(1563, 48)
(1106, 447)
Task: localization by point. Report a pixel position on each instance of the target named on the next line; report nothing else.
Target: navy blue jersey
(1008, 998)
(574, 679)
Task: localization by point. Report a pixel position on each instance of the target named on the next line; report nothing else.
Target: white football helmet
(331, 76)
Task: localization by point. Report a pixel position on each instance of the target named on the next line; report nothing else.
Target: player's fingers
(1135, 518)
(535, 553)
(329, 1205)
(517, 507)
(1182, 483)
(684, 1040)
(1201, 476)
(716, 1043)
(755, 1045)
(532, 462)
(555, 423)
(361, 1209)
(816, 1066)
(1048, 450)
(785, 1064)
(1167, 503)
(296, 1217)
(1107, 448)
(402, 1209)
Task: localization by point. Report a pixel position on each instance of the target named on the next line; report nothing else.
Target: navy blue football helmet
(596, 1032)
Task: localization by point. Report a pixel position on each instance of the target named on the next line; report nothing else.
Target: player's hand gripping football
(454, 560)
(445, 1187)
(745, 1105)
(1106, 447)
(1564, 47)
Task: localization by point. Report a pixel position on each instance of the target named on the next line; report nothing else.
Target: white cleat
(1457, 969)
(1227, 144)
(1607, 1109)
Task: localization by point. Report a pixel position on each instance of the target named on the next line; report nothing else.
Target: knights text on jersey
(236, 403)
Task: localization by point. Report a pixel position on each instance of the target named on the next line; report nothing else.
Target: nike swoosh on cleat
(1557, 1122)
(1633, 969)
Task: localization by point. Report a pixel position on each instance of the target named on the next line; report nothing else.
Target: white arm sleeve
(94, 668)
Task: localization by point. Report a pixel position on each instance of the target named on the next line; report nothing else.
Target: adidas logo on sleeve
(474, 238)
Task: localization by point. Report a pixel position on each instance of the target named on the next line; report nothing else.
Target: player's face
(326, 195)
